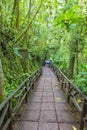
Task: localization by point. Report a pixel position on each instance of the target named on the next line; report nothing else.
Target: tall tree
(15, 14)
(2, 89)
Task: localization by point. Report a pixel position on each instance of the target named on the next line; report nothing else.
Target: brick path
(47, 108)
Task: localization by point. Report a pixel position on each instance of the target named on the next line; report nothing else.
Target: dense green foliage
(34, 30)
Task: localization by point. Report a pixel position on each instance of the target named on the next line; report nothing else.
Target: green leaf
(72, 26)
(16, 52)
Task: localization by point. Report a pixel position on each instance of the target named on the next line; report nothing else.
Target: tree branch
(29, 11)
(6, 35)
(29, 23)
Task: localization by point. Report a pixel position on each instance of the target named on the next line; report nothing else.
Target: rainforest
(32, 31)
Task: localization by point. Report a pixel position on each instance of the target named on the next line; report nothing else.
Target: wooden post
(68, 94)
(84, 113)
(65, 84)
(65, 87)
(33, 84)
(26, 98)
(10, 116)
(62, 84)
(58, 75)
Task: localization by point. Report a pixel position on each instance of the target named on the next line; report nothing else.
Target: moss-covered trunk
(71, 66)
(73, 53)
(2, 89)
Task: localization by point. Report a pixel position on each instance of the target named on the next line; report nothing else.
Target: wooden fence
(74, 96)
(10, 107)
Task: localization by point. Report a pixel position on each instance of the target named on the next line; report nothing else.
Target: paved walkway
(47, 108)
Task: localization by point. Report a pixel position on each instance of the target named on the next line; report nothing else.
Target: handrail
(72, 84)
(11, 105)
(73, 94)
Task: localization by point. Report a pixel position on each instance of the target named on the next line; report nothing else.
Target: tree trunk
(66, 1)
(17, 14)
(77, 59)
(73, 53)
(71, 66)
(2, 89)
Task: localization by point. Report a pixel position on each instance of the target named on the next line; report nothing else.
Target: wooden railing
(74, 96)
(10, 107)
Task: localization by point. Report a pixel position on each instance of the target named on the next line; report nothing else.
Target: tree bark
(73, 53)
(29, 11)
(71, 66)
(15, 14)
(2, 89)
(29, 24)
